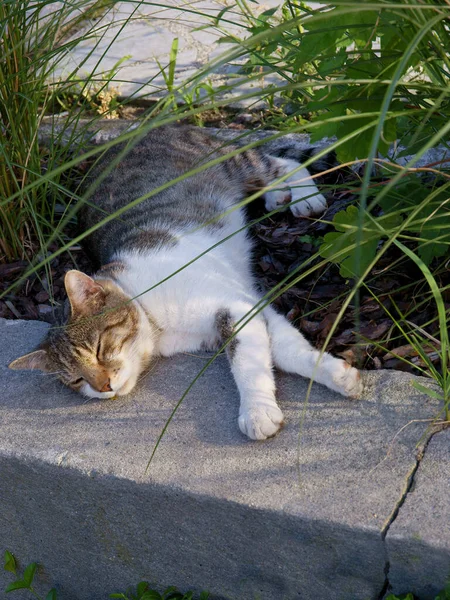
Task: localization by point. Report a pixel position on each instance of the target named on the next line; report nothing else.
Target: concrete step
(300, 516)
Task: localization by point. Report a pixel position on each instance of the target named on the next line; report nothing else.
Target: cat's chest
(185, 317)
(175, 341)
(183, 288)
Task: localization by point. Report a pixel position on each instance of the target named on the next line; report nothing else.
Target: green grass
(35, 44)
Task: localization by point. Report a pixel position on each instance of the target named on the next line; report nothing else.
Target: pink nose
(106, 387)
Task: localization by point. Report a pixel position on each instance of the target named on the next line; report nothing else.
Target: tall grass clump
(20, 158)
(35, 40)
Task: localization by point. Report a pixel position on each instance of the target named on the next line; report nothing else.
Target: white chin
(89, 392)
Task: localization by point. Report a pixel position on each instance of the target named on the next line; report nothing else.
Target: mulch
(41, 295)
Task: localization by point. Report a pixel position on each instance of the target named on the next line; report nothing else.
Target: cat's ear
(35, 361)
(86, 296)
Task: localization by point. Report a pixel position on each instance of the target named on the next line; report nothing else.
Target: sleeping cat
(110, 339)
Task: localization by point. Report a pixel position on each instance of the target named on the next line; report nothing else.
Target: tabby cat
(110, 338)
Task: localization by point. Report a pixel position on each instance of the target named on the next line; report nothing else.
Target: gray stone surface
(299, 516)
(142, 33)
(418, 540)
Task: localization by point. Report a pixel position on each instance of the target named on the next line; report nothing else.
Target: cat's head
(104, 346)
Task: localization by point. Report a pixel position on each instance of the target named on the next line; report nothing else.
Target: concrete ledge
(294, 517)
(418, 542)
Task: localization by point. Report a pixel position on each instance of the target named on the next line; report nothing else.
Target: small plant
(444, 595)
(26, 581)
(143, 590)
(190, 95)
(99, 95)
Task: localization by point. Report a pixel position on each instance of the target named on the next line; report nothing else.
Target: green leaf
(16, 585)
(51, 595)
(354, 251)
(142, 587)
(426, 390)
(175, 595)
(172, 62)
(428, 251)
(172, 593)
(121, 596)
(219, 16)
(204, 596)
(267, 13)
(26, 581)
(361, 26)
(170, 590)
(151, 595)
(445, 594)
(326, 100)
(226, 39)
(29, 572)
(10, 562)
(314, 43)
(332, 64)
(359, 145)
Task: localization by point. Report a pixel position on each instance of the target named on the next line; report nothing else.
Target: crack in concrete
(384, 589)
(420, 453)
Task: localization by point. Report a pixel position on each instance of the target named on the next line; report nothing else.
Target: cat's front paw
(276, 198)
(307, 207)
(348, 381)
(261, 421)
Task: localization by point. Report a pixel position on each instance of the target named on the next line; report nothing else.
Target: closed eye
(105, 352)
(76, 381)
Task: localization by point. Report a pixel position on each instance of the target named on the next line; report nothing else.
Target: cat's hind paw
(261, 421)
(348, 381)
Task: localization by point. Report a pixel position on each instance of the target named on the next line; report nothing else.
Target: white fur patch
(89, 392)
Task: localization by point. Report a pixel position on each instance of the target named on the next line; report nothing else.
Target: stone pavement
(321, 511)
(139, 36)
(423, 518)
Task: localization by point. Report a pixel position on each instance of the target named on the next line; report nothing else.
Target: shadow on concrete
(99, 535)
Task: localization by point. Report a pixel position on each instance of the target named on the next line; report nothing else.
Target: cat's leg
(299, 189)
(293, 353)
(251, 364)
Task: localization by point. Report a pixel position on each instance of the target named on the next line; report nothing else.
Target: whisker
(52, 373)
(88, 400)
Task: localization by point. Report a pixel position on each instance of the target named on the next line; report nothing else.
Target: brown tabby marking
(225, 328)
(101, 322)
